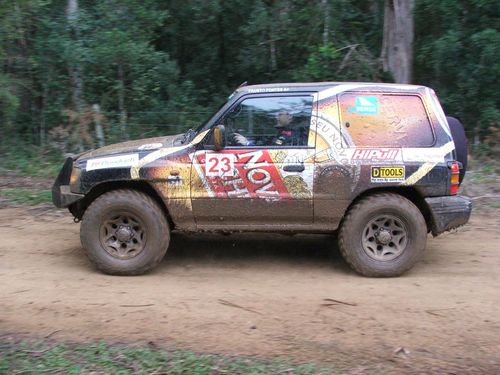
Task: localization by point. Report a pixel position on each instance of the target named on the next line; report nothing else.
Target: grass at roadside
(26, 196)
(484, 172)
(101, 358)
(31, 161)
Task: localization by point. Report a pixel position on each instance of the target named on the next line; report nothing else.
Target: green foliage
(348, 63)
(103, 358)
(458, 54)
(325, 59)
(158, 67)
(29, 160)
(26, 196)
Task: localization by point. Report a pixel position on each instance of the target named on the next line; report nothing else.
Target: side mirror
(219, 137)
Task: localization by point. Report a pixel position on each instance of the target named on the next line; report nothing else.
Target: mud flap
(448, 212)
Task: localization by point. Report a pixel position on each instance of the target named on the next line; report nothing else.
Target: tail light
(454, 177)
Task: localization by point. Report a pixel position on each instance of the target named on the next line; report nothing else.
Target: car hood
(133, 146)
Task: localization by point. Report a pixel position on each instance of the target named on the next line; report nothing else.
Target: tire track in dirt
(262, 295)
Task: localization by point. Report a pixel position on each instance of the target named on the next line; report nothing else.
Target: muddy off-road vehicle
(380, 164)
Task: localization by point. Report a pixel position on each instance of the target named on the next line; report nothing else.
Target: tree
(458, 54)
(127, 74)
(147, 64)
(397, 46)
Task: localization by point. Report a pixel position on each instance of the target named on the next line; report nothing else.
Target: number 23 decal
(219, 165)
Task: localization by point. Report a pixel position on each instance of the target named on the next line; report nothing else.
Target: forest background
(76, 74)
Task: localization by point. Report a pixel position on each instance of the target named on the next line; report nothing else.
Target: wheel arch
(409, 192)
(78, 209)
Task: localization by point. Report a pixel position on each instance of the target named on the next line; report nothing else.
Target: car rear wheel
(124, 232)
(382, 235)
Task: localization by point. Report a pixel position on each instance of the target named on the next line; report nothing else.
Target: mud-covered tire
(391, 214)
(124, 232)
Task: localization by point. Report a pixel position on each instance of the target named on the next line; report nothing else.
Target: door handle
(294, 168)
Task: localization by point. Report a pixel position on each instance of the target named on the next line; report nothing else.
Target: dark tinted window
(270, 121)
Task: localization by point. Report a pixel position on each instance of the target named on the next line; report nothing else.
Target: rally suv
(375, 163)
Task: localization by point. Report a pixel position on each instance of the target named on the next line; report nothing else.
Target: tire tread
(358, 209)
(147, 203)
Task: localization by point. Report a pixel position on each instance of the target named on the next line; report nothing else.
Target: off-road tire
(144, 209)
(356, 221)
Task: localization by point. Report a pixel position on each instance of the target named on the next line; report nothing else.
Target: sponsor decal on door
(241, 174)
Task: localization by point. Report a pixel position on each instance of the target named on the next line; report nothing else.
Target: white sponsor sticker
(112, 162)
(220, 164)
(150, 146)
(269, 89)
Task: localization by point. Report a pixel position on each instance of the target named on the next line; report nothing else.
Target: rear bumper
(61, 193)
(448, 212)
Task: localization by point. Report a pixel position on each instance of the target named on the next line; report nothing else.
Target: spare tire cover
(460, 140)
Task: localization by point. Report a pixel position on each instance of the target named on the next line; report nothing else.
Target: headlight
(74, 179)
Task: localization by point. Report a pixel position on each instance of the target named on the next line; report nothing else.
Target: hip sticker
(388, 174)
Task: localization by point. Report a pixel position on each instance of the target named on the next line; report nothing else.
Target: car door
(264, 175)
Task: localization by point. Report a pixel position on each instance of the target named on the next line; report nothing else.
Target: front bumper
(61, 193)
(448, 212)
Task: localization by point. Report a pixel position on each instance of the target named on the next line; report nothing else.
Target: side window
(270, 121)
(385, 120)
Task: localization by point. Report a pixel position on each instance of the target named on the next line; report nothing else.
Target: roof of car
(315, 86)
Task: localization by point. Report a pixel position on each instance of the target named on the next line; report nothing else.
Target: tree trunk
(325, 7)
(272, 48)
(99, 133)
(43, 127)
(71, 10)
(121, 102)
(222, 44)
(273, 19)
(477, 139)
(74, 68)
(3, 132)
(397, 46)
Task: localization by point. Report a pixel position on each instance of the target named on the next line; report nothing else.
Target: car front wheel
(124, 232)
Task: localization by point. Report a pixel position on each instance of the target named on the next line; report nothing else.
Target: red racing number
(219, 164)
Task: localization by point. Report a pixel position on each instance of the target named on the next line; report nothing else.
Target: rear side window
(386, 120)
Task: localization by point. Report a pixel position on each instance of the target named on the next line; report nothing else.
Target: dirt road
(261, 295)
